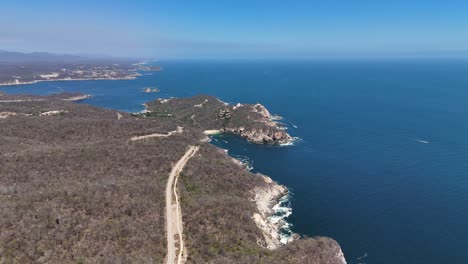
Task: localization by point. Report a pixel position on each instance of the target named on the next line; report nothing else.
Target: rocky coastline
(250, 121)
(265, 198)
(241, 204)
(265, 135)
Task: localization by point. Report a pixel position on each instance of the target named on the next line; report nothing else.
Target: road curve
(173, 211)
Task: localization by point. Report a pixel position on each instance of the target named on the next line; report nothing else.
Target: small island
(150, 90)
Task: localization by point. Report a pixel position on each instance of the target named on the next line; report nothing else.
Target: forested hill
(80, 184)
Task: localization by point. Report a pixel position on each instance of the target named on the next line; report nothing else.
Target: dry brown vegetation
(209, 113)
(218, 217)
(73, 189)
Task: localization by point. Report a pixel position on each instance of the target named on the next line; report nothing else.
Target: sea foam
(246, 161)
(281, 211)
(290, 142)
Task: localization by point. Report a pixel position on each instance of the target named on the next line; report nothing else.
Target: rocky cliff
(251, 121)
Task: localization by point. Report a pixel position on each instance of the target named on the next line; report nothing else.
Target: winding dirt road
(174, 225)
(177, 131)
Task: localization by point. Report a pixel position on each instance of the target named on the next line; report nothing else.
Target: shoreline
(69, 99)
(266, 198)
(281, 211)
(67, 80)
(272, 201)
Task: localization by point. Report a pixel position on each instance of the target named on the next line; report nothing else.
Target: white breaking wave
(276, 118)
(248, 163)
(282, 210)
(290, 142)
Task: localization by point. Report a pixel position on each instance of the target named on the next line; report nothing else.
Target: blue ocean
(381, 164)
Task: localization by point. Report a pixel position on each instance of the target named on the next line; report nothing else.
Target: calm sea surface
(382, 164)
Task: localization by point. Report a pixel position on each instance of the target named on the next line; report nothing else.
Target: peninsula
(27, 68)
(83, 184)
(251, 121)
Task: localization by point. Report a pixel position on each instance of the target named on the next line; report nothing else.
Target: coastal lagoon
(381, 163)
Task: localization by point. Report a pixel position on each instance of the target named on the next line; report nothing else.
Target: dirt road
(177, 131)
(174, 225)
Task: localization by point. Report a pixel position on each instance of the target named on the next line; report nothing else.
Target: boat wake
(421, 141)
(361, 259)
(363, 256)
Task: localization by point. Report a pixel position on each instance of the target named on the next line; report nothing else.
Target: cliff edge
(251, 121)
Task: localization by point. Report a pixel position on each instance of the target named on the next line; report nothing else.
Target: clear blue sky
(237, 29)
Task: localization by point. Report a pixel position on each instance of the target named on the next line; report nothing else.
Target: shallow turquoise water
(362, 172)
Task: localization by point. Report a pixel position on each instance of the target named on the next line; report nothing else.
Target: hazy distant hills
(12, 57)
(24, 68)
(18, 57)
